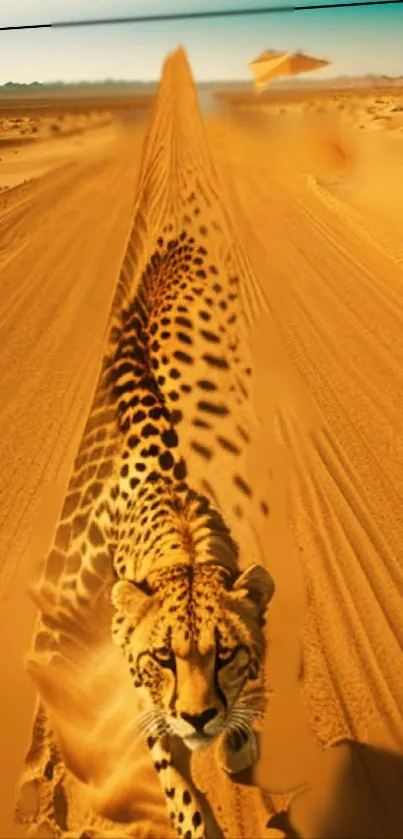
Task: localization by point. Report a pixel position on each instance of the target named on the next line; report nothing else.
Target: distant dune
(128, 88)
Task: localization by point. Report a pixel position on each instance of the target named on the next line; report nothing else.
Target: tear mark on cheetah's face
(193, 637)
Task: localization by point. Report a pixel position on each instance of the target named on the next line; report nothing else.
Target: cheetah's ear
(258, 585)
(128, 596)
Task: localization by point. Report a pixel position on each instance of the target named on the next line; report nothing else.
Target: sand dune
(295, 188)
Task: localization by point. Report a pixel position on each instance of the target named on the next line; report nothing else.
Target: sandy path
(333, 370)
(19, 163)
(336, 295)
(60, 250)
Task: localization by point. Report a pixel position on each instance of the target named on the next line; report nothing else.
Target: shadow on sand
(364, 802)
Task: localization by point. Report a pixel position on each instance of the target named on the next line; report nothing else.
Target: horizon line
(75, 83)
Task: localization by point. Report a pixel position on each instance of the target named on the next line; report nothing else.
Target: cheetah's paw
(237, 751)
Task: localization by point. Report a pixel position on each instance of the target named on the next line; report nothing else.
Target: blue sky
(357, 41)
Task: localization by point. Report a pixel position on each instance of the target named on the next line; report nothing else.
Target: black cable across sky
(213, 13)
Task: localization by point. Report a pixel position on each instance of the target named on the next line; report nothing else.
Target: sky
(356, 41)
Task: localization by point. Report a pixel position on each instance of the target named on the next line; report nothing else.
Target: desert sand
(313, 188)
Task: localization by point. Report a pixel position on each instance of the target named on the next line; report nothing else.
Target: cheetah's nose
(199, 720)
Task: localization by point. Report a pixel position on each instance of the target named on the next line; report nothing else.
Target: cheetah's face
(194, 639)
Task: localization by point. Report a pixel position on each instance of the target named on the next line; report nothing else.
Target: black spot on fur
(243, 433)
(203, 451)
(227, 445)
(176, 416)
(205, 384)
(242, 485)
(184, 337)
(181, 321)
(170, 438)
(199, 423)
(166, 460)
(155, 413)
(212, 408)
(180, 470)
(216, 361)
(210, 336)
(196, 819)
(149, 430)
(139, 416)
(183, 356)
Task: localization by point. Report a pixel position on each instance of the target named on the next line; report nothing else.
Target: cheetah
(143, 553)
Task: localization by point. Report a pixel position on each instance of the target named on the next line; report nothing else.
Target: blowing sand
(314, 190)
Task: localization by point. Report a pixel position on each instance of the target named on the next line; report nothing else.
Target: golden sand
(313, 188)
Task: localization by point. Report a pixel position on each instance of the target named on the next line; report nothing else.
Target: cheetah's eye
(165, 658)
(225, 655)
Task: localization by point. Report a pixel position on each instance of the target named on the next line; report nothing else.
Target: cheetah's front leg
(237, 751)
(190, 813)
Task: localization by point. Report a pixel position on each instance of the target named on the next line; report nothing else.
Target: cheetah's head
(193, 636)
